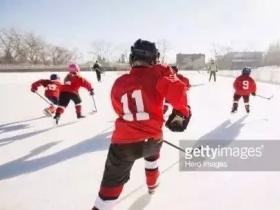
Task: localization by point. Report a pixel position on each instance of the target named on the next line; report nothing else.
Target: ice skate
(47, 112)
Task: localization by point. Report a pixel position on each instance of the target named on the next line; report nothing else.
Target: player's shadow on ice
(2, 126)
(16, 126)
(141, 202)
(226, 131)
(223, 136)
(11, 139)
(11, 128)
(24, 165)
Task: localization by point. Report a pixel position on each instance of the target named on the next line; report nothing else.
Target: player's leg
(52, 107)
(214, 74)
(210, 76)
(98, 76)
(151, 153)
(235, 103)
(152, 172)
(63, 102)
(246, 103)
(78, 106)
(120, 160)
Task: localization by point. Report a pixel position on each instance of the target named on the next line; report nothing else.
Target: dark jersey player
(52, 89)
(137, 98)
(70, 91)
(244, 86)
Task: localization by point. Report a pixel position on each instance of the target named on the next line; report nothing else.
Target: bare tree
(101, 50)
(219, 53)
(163, 47)
(34, 49)
(121, 53)
(60, 55)
(17, 47)
(11, 46)
(219, 50)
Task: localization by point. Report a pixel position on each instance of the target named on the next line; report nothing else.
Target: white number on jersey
(245, 85)
(51, 87)
(140, 114)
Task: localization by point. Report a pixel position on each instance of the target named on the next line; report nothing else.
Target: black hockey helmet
(54, 77)
(145, 51)
(246, 71)
(175, 68)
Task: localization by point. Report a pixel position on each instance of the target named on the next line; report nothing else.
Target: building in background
(238, 60)
(190, 61)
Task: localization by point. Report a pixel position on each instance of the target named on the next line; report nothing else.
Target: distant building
(238, 60)
(190, 61)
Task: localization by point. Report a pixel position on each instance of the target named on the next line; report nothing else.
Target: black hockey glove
(253, 94)
(91, 92)
(177, 122)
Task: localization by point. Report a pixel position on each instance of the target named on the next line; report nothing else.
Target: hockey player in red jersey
(181, 77)
(137, 98)
(70, 91)
(244, 86)
(52, 89)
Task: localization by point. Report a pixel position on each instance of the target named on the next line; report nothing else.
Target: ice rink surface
(48, 167)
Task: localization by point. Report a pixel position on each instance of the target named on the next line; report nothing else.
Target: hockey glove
(33, 90)
(253, 94)
(91, 92)
(177, 122)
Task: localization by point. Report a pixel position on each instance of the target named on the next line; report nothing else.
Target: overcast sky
(187, 25)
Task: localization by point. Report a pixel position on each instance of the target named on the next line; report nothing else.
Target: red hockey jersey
(184, 80)
(138, 97)
(52, 87)
(73, 82)
(244, 85)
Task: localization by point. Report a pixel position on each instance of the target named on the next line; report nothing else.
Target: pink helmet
(73, 68)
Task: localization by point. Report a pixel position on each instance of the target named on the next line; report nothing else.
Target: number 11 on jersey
(140, 114)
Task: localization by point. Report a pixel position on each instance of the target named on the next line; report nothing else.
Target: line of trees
(18, 47)
(26, 48)
(106, 52)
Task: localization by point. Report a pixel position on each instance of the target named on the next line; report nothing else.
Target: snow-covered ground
(46, 167)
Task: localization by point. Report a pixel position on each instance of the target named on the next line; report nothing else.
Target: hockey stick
(197, 85)
(179, 148)
(173, 145)
(268, 98)
(94, 104)
(42, 97)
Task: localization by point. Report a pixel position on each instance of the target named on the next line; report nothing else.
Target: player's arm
(87, 85)
(185, 80)
(67, 79)
(174, 91)
(235, 84)
(36, 85)
(254, 87)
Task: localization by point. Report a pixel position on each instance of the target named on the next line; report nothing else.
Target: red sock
(110, 193)
(151, 177)
(78, 109)
(151, 170)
